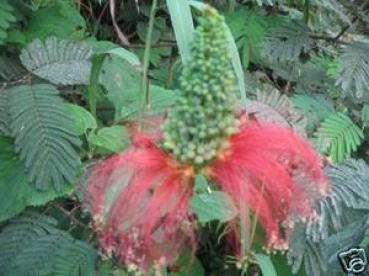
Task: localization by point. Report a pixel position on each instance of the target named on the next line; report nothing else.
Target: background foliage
(71, 86)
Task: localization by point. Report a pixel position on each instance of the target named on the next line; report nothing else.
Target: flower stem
(144, 85)
(255, 218)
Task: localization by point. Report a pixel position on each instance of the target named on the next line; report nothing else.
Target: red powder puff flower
(274, 173)
(139, 200)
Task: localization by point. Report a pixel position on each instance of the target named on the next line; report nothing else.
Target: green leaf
(188, 266)
(214, 206)
(44, 135)
(314, 108)
(339, 137)
(107, 268)
(11, 68)
(346, 203)
(265, 264)
(31, 245)
(141, 29)
(274, 107)
(124, 54)
(249, 28)
(354, 70)
(6, 18)
(110, 139)
(83, 120)
(58, 61)
(62, 20)
(181, 18)
(365, 115)
(15, 190)
(122, 83)
(201, 184)
(287, 42)
(4, 113)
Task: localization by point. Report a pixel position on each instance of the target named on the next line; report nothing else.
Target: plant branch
(329, 39)
(70, 216)
(144, 85)
(122, 38)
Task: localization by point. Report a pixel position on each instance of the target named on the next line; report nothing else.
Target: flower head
(140, 204)
(140, 198)
(274, 173)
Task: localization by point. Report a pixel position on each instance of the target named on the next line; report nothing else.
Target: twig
(70, 216)
(122, 38)
(24, 79)
(102, 13)
(144, 86)
(329, 39)
(159, 45)
(345, 29)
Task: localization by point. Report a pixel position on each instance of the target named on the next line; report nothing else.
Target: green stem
(307, 11)
(97, 62)
(231, 6)
(255, 218)
(144, 85)
(244, 229)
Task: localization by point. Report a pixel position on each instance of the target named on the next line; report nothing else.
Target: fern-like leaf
(58, 61)
(32, 245)
(354, 72)
(287, 42)
(249, 28)
(276, 108)
(303, 251)
(6, 17)
(315, 109)
(349, 189)
(16, 193)
(4, 114)
(44, 135)
(347, 204)
(11, 68)
(338, 136)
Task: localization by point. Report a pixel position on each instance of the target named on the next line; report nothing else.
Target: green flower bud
(203, 116)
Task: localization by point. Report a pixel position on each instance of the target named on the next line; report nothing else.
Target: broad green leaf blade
(83, 120)
(44, 135)
(126, 55)
(122, 83)
(181, 18)
(16, 193)
(214, 206)
(59, 19)
(109, 139)
(265, 264)
(201, 184)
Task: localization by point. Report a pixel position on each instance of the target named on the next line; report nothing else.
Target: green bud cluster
(203, 118)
